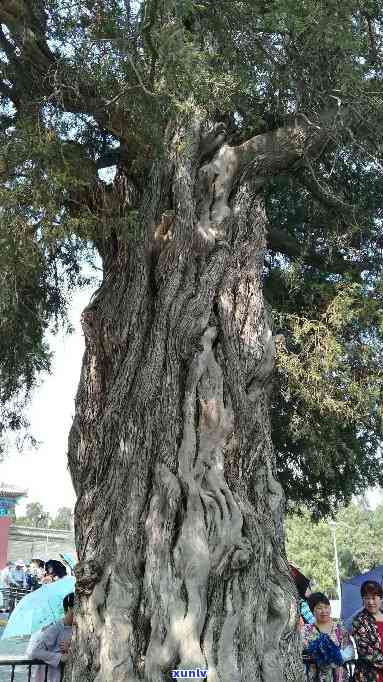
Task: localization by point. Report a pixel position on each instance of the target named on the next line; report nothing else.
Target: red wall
(5, 522)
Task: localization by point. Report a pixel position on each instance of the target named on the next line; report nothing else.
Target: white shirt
(18, 577)
(45, 646)
(5, 576)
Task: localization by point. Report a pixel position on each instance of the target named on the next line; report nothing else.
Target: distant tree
(358, 532)
(35, 516)
(63, 519)
(309, 546)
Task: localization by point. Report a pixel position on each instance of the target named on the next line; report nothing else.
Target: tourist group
(333, 653)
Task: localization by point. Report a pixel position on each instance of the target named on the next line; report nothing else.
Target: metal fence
(20, 669)
(11, 596)
(17, 668)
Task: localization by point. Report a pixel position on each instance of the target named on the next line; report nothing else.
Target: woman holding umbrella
(303, 587)
(51, 644)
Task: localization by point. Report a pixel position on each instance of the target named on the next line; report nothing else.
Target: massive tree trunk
(179, 513)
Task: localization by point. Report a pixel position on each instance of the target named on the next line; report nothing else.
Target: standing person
(326, 642)
(6, 574)
(28, 576)
(18, 577)
(52, 644)
(37, 573)
(367, 630)
(5, 578)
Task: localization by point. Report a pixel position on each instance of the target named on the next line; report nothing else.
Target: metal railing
(11, 596)
(26, 665)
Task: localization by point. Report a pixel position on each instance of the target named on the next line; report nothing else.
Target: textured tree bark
(179, 514)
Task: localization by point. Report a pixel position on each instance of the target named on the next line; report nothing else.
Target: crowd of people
(31, 575)
(50, 644)
(327, 645)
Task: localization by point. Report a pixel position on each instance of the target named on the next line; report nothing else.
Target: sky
(43, 471)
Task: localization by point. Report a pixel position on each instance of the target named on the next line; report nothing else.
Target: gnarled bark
(179, 513)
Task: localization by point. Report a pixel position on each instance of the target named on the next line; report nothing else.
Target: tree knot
(88, 574)
(241, 556)
(163, 231)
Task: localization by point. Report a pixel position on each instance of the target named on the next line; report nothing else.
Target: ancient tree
(242, 142)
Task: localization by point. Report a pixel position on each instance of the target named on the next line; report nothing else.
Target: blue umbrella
(39, 608)
(69, 560)
(351, 599)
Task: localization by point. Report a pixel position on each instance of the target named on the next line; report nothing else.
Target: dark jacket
(366, 634)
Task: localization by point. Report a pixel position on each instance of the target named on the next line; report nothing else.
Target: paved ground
(12, 647)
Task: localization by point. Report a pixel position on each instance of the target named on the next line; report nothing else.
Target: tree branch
(263, 155)
(40, 75)
(281, 241)
(150, 13)
(307, 177)
(278, 150)
(284, 149)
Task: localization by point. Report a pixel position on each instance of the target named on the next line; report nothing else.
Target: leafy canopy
(358, 535)
(37, 517)
(89, 85)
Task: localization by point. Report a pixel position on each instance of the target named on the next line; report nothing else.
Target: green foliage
(37, 517)
(358, 533)
(327, 302)
(63, 519)
(330, 381)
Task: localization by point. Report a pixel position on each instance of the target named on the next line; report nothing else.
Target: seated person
(51, 644)
(327, 643)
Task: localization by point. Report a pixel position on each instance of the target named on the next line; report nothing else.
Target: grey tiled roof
(7, 490)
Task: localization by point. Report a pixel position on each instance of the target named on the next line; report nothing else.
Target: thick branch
(280, 149)
(307, 177)
(271, 153)
(150, 12)
(37, 74)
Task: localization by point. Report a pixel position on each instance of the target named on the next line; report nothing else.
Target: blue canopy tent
(351, 599)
